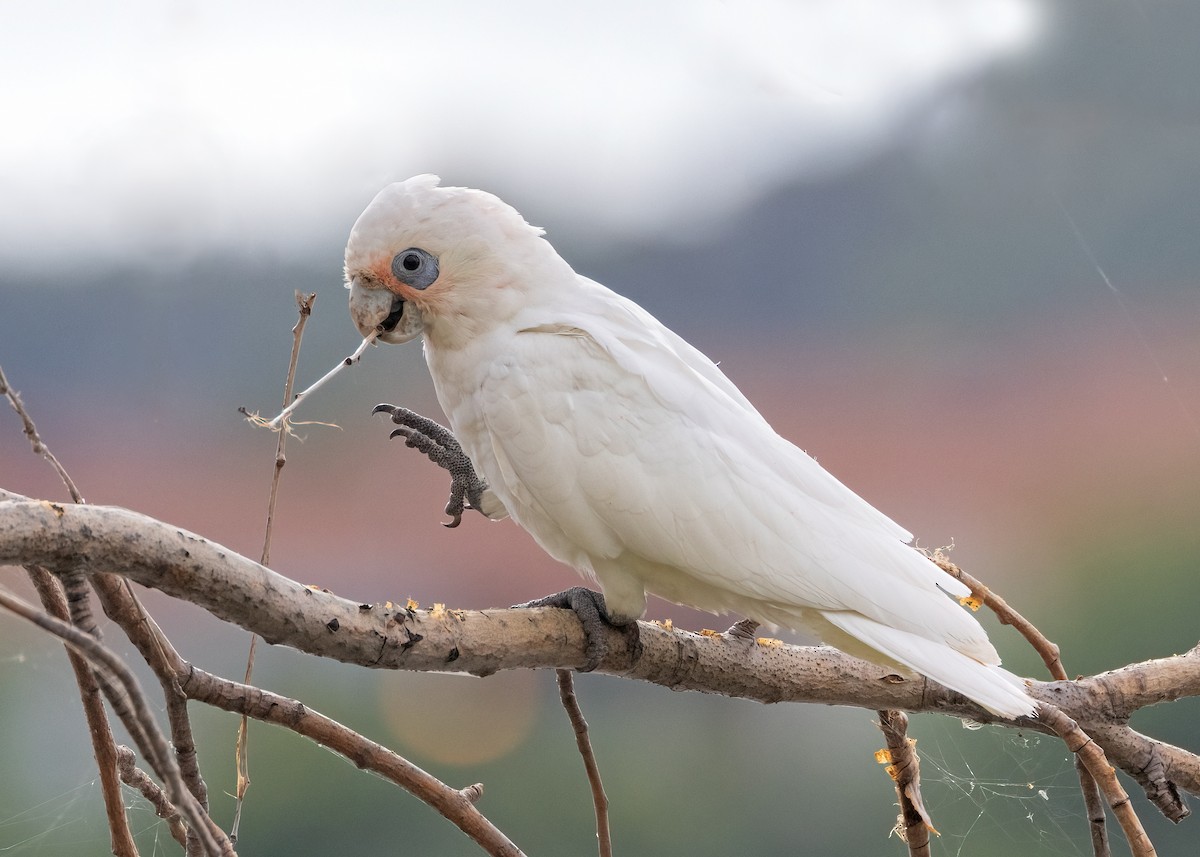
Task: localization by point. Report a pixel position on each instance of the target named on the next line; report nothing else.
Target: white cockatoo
(628, 455)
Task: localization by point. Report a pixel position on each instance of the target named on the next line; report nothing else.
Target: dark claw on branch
(589, 607)
(439, 445)
(743, 630)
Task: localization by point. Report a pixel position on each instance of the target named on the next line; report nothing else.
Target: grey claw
(440, 446)
(743, 630)
(589, 607)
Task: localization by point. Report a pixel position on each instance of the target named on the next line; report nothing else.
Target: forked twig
(122, 605)
(50, 593)
(570, 702)
(1081, 744)
(129, 703)
(104, 746)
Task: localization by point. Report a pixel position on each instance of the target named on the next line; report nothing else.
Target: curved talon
(455, 509)
(440, 446)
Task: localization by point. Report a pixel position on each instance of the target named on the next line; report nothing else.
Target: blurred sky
(180, 128)
(947, 247)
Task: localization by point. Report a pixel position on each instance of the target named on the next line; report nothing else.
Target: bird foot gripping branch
(588, 605)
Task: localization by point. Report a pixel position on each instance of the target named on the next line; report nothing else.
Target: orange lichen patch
(412, 605)
(709, 632)
(439, 611)
(972, 601)
(769, 642)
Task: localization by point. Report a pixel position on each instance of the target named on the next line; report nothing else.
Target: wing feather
(620, 443)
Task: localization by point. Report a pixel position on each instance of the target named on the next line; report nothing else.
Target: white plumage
(628, 455)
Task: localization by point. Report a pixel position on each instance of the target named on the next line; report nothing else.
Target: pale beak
(396, 319)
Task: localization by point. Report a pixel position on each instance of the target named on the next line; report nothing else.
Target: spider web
(73, 822)
(998, 791)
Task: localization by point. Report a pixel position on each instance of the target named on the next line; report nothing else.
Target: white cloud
(168, 129)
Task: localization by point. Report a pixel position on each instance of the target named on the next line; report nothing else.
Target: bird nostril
(393, 319)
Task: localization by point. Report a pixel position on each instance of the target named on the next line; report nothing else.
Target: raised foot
(593, 616)
(441, 447)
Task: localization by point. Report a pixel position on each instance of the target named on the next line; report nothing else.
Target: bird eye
(415, 267)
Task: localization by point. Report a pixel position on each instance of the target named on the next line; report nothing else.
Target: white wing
(619, 446)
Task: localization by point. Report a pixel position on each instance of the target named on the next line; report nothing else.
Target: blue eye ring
(415, 267)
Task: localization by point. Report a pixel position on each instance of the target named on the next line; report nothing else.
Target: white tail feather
(996, 689)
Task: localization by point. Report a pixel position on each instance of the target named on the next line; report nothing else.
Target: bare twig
(242, 749)
(456, 805)
(121, 604)
(566, 693)
(104, 746)
(53, 597)
(913, 823)
(1051, 657)
(1006, 614)
(123, 607)
(1079, 743)
(129, 703)
(280, 420)
(136, 778)
(31, 432)
(305, 304)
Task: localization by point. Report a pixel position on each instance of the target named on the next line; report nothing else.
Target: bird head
(445, 262)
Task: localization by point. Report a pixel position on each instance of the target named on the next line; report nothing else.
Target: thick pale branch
(482, 642)
(1125, 690)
